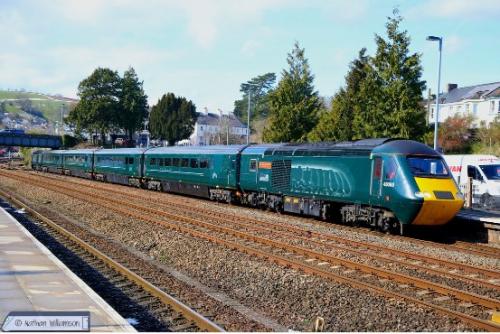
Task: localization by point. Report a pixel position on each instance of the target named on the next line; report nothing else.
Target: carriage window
(176, 162)
(204, 163)
(194, 163)
(152, 161)
(161, 161)
(131, 161)
(168, 161)
(253, 165)
(184, 162)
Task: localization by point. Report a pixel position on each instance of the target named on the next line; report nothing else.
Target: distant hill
(29, 104)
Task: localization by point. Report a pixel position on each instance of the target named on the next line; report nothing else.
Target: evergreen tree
(172, 118)
(134, 103)
(394, 84)
(294, 105)
(337, 123)
(259, 87)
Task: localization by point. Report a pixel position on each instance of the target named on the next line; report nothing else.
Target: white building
(480, 101)
(211, 129)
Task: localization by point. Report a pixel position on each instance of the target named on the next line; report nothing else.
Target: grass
(20, 95)
(50, 108)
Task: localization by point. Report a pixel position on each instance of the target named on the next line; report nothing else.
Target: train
(387, 184)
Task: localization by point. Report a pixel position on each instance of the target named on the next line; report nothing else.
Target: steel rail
(402, 278)
(200, 321)
(127, 212)
(320, 236)
(480, 323)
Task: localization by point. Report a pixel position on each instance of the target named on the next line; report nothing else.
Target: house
(211, 129)
(480, 101)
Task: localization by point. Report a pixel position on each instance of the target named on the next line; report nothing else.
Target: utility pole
(248, 116)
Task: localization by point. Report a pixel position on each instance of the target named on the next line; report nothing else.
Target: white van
(485, 173)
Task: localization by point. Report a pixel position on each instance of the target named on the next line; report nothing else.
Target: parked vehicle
(485, 173)
(384, 183)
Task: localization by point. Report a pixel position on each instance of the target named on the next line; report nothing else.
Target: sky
(204, 49)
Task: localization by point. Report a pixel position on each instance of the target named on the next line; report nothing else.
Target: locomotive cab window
(427, 167)
(390, 169)
(377, 169)
(253, 165)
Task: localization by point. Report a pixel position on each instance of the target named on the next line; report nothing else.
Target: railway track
(458, 246)
(473, 275)
(160, 310)
(471, 308)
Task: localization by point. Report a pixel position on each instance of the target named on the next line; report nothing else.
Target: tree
(337, 123)
(294, 105)
(172, 118)
(259, 87)
(99, 104)
(393, 88)
(133, 102)
(455, 134)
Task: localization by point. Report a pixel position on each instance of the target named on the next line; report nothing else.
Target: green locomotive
(386, 183)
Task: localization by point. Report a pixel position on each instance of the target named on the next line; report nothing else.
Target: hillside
(29, 110)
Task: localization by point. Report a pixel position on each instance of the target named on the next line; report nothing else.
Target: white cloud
(453, 44)
(464, 9)
(250, 47)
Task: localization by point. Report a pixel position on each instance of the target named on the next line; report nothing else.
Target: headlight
(421, 194)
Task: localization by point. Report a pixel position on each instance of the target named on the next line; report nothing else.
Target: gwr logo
(456, 169)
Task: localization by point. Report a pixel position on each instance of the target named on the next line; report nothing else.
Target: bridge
(8, 138)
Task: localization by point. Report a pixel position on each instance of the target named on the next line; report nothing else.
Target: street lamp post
(249, 89)
(436, 118)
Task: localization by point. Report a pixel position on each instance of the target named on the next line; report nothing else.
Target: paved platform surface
(33, 279)
(480, 216)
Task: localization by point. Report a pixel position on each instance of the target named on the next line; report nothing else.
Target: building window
(498, 105)
(492, 107)
(474, 108)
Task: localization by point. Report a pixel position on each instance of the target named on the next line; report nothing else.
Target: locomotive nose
(442, 200)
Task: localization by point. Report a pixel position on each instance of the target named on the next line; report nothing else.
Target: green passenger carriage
(78, 162)
(123, 165)
(204, 171)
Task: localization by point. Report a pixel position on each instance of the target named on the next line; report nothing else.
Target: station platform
(489, 221)
(33, 279)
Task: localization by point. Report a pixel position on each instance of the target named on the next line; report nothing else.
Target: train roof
(209, 149)
(406, 147)
(362, 147)
(81, 151)
(120, 151)
(358, 147)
